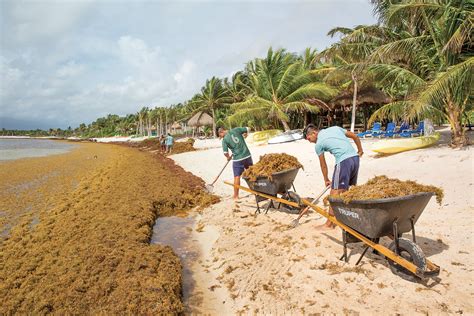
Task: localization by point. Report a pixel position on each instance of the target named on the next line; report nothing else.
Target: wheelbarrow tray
(375, 218)
(279, 183)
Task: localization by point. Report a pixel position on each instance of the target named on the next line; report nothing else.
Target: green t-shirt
(234, 141)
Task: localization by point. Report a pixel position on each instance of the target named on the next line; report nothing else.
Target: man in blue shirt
(169, 143)
(335, 140)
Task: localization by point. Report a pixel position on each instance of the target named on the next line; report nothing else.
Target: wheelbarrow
(366, 222)
(279, 183)
(386, 217)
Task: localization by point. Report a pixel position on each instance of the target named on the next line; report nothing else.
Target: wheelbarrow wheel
(411, 252)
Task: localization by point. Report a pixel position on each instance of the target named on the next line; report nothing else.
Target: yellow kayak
(393, 146)
(262, 137)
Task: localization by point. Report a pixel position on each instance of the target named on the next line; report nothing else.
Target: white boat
(285, 137)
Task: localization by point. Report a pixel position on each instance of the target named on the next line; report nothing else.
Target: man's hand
(360, 153)
(327, 182)
(229, 158)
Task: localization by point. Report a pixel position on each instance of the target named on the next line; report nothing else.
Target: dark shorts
(345, 173)
(241, 165)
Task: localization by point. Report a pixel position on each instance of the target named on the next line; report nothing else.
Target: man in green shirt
(242, 159)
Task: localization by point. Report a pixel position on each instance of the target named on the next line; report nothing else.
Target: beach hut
(175, 126)
(200, 119)
(368, 100)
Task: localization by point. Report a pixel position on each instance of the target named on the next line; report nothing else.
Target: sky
(66, 62)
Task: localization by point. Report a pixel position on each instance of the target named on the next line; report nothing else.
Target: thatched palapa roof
(176, 125)
(200, 119)
(365, 96)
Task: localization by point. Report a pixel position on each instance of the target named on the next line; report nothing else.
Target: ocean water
(11, 149)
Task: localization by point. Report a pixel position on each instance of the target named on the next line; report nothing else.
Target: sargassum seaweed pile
(270, 164)
(381, 187)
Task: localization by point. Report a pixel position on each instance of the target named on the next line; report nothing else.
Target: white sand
(257, 265)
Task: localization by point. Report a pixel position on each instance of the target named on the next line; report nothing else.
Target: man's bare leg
(329, 224)
(236, 189)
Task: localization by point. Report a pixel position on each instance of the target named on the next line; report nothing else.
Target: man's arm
(226, 150)
(324, 169)
(356, 139)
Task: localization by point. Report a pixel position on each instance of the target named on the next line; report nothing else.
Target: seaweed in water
(381, 187)
(270, 164)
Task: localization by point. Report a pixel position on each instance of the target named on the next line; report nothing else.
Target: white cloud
(9, 78)
(184, 71)
(35, 20)
(70, 69)
(136, 52)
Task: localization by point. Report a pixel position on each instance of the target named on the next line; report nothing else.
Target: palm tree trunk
(214, 134)
(354, 102)
(286, 127)
(458, 136)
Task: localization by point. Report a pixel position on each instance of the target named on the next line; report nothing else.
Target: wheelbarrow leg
(412, 222)
(376, 240)
(258, 206)
(344, 242)
(269, 206)
(363, 254)
(396, 236)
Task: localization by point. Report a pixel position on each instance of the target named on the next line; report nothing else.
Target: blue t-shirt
(169, 140)
(334, 140)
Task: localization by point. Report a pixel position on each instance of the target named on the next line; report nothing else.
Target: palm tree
(280, 84)
(420, 54)
(213, 95)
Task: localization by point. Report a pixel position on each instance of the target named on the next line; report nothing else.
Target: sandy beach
(255, 264)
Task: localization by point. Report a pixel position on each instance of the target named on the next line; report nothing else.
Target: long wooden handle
(312, 202)
(221, 171)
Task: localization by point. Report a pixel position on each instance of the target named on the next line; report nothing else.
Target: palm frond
(284, 84)
(251, 102)
(463, 34)
(456, 84)
(313, 90)
(339, 30)
(300, 106)
(393, 111)
(248, 114)
(388, 74)
(402, 49)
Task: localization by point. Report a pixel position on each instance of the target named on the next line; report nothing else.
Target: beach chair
(417, 131)
(375, 131)
(390, 131)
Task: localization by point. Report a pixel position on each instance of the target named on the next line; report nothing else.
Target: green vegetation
(420, 54)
